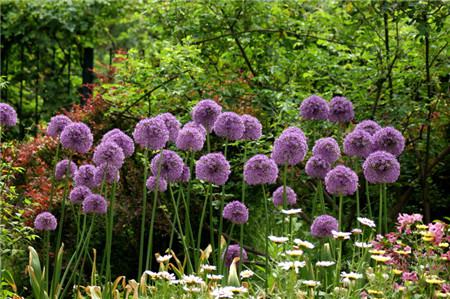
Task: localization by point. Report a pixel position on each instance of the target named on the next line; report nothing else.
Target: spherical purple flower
(358, 143)
(8, 116)
(121, 139)
(110, 133)
(259, 170)
(289, 148)
(317, 167)
(253, 128)
(389, 140)
(229, 125)
(294, 130)
(109, 153)
(381, 167)
(78, 194)
(77, 137)
(369, 126)
(213, 168)
(106, 173)
(84, 176)
(314, 108)
(190, 139)
(327, 149)
(62, 169)
(278, 196)
(152, 184)
(236, 212)
(195, 125)
(57, 124)
(151, 133)
(232, 252)
(341, 110)
(341, 180)
(168, 165)
(205, 113)
(94, 204)
(185, 174)
(172, 125)
(323, 225)
(45, 221)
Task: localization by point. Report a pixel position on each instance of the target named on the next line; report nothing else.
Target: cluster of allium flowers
(94, 204)
(109, 153)
(45, 221)
(381, 167)
(236, 212)
(205, 113)
(323, 226)
(278, 196)
(341, 110)
(369, 126)
(57, 124)
(314, 108)
(341, 180)
(229, 125)
(78, 194)
(259, 170)
(358, 143)
(253, 128)
(121, 139)
(172, 125)
(190, 139)
(77, 137)
(151, 133)
(232, 252)
(107, 173)
(63, 168)
(185, 174)
(152, 184)
(195, 125)
(167, 165)
(8, 116)
(389, 140)
(290, 147)
(317, 167)
(213, 168)
(327, 149)
(84, 176)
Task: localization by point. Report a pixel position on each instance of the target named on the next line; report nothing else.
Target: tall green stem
(222, 201)
(200, 226)
(144, 209)
(47, 252)
(380, 210)
(369, 205)
(148, 262)
(385, 208)
(266, 241)
(110, 217)
(52, 178)
(322, 200)
(341, 199)
(241, 233)
(284, 199)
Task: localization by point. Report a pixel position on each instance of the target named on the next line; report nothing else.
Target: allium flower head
(77, 137)
(78, 194)
(152, 184)
(108, 173)
(168, 164)
(121, 139)
(195, 125)
(381, 167)
(62, 169)
(110, 133)
(253, 128)
(234, 251)
(57, 124)
(341, 110)
(358, 143)
(290, 147)
(109, 153)
(151, 133)
(45, 221)
(185, 174)
(389, 140)
(94, 204)
(323, 226)
(8, 116)
(213, 168)
(317, 167)
(327, 149)
(172, 125)
(84, 176)
(259, 170)
(314, 108)
(205, 113)
(369, 126)
(229, 125)
(190, 139)
(236, 212)
(278, 196)
(341, 180)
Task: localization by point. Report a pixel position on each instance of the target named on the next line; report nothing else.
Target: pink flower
(411, 276)
(437, 229)
(406, 220)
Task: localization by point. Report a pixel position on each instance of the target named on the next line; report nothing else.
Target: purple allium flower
(341, 180)
(172, 125)
(294, 130)
(78, 194)
(358, 143)
(62, 168)
(151, 133)
(106, 172)
(213, 168)
(169, 165)
(259, 170)
(341, 110)
(389, 140)
(77, 137)
(232, 252)
(381, 167)
(8, 116)
(84, 176)
(205, 113)
(190, 139)
(253, 128)
(110, 133)
(121, 139)
(236, 212)
(152, 182)
(109, 153)
(45, 221)
(369, 126)
(278, 196)
(327, 149)
(229, 125)
(94, 204)
(185, 174)
(290, 147)
(195, 125)
(57, 124)
(317, 167)
(314, 108)
(323, 225)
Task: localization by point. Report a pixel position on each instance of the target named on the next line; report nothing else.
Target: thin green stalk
(211, 232)
(339, 261)
(284, 199)
(385, 208)
(47, 262)
(202, 219)
(357, 207)
(52, 178)
(144, 209)
(369, 205)
(189, 232)
(341, 199)
(266, 241)
(226, 250)
(322, 200)
(241, 233)
(172, 229)
(222, 202)
(380, 210)
(110, 217)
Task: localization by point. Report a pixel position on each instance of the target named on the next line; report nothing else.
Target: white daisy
(278, 240)
(363, 245)
(351, 275)
(310, 283)
(208, 268)
(164, 275)
(325, 263)
(291, 211)
(247, 274)
(366, 221)
(305, 244)
(215, 277)
(163, 258)
(341, 235)
(222, 293)
(295, 252)
(192, 279)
